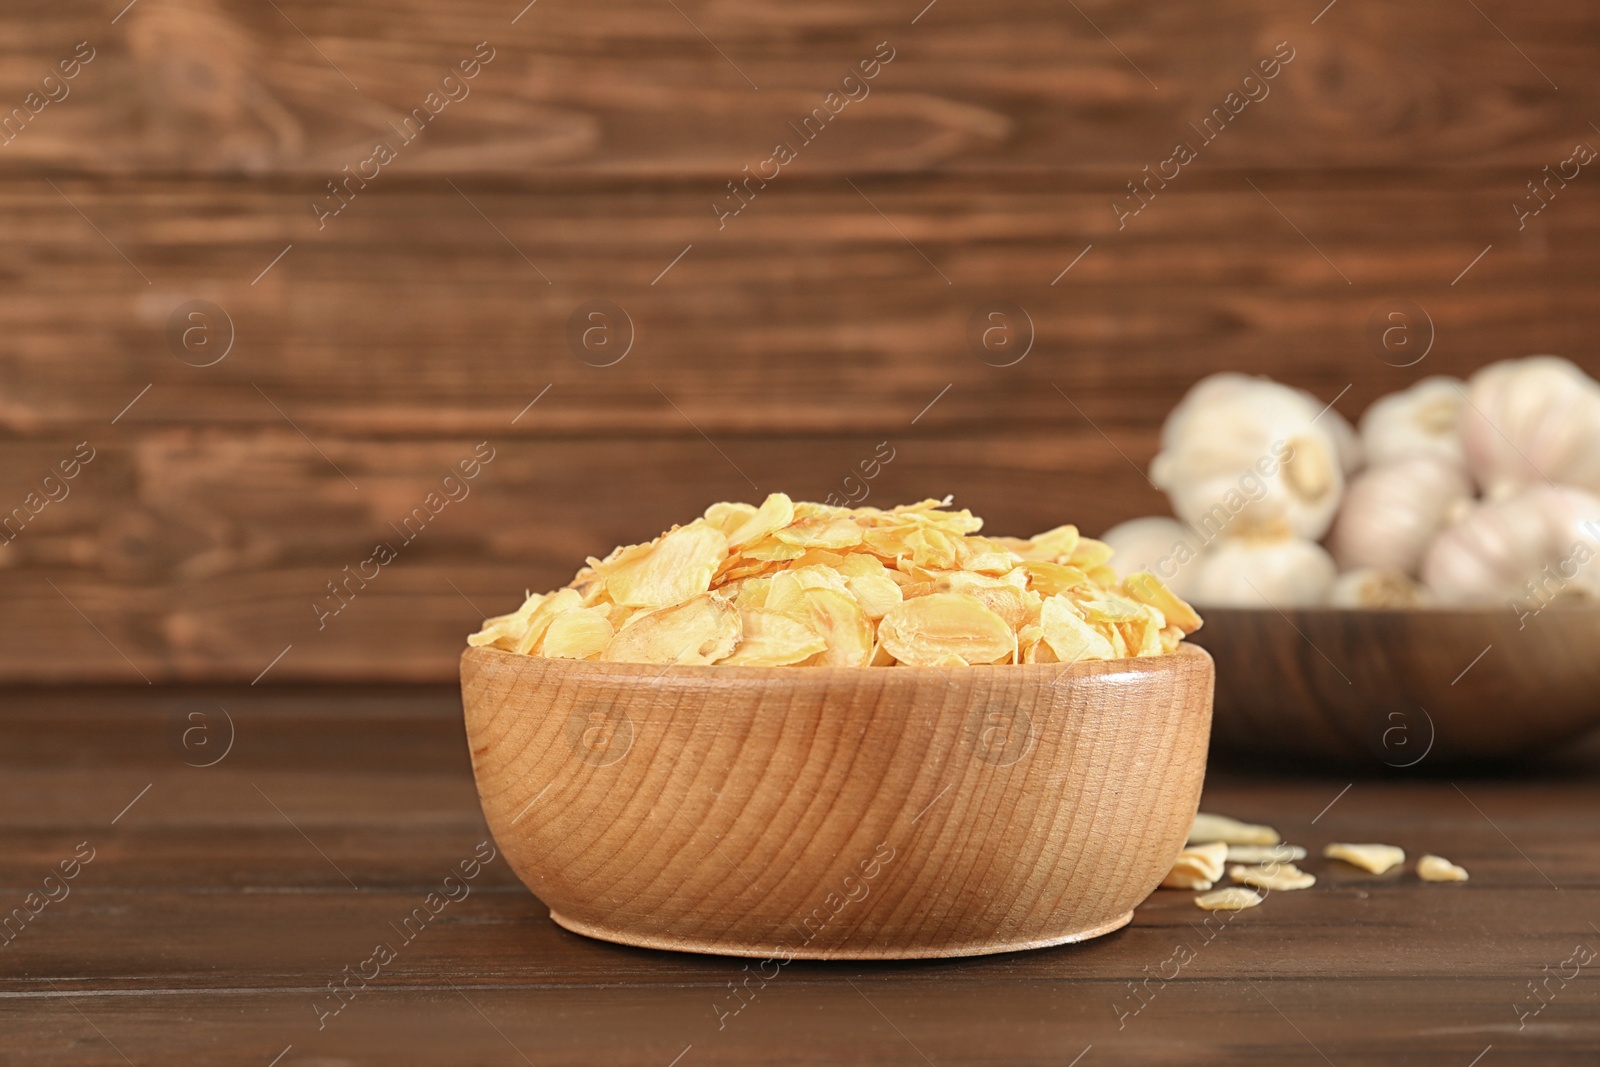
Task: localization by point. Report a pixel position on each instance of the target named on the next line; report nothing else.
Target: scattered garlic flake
(1265, 853)
(1186, 876)
(1213, 854)
(1374, 858)
(1233, 898)
(1230, 831)
(1433, 868)
(1273, 876)
(1197, 867)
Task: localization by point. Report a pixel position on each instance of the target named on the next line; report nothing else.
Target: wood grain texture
(208, 925)
(822, 319)
(410, 317)
(204, 561)
(636, 89)
(1398, 687)
(1026, 807)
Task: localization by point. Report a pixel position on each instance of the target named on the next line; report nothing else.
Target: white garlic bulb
(1424, 420)
(1352, 453)
(1391, 514)
(1264, 572)
(1529, 549)
(1164, 547)
(1532, 421)
(1373, 587)
(1247, 455)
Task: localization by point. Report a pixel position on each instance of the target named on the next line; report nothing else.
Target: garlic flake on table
(1242, 454)
(1264, 572)
(1156, 544)
(1532, 421)
(1392, 513)
(1534, 547)
(1424, 420)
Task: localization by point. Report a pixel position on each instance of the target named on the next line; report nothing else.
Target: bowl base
(714, 947)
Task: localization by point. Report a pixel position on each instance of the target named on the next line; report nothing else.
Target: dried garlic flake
(675, 568)
(580, 634)
(944, 628)
(1231, 831)
(1233, 898)
(1272, 876)
(1197, 867)
(702, 630)
(773, 639)
(1431, 868)
(1374, 858)
(1265, 853)
(1186, 876)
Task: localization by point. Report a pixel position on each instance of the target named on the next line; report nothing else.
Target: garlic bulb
(1532, 421)
(1371, 587)
(1264, 572)
(1424, 420)
(1391, 514)
(1247, 455)
(1530, 549)
(1164, 547)
(1352, 454)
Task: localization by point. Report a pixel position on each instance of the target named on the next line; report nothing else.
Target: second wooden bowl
(1397, 688)
(833, 813)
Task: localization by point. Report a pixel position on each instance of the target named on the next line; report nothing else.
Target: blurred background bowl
(1400, 687)
(839, 813)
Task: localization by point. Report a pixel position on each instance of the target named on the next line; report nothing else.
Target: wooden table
(221, 901)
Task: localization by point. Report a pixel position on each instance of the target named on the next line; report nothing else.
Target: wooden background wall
(776, 352)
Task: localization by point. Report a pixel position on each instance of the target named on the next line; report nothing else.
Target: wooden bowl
(1402, 686)
(838, 813)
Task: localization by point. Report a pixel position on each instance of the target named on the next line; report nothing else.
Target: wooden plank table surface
(211, 907)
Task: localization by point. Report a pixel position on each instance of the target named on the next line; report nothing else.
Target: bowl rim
(499, 658)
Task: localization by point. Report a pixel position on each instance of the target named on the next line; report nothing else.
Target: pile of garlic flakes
(801, 584)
